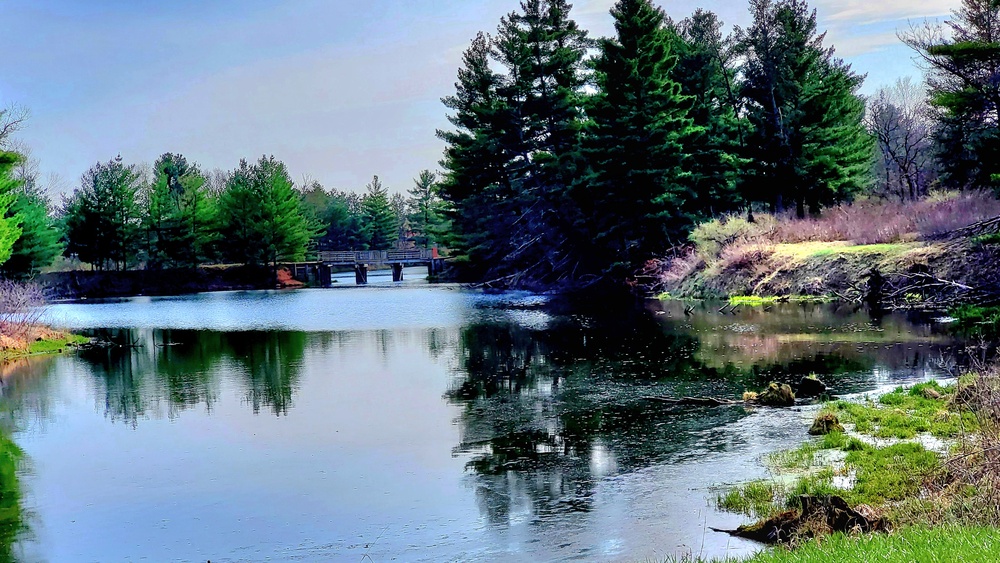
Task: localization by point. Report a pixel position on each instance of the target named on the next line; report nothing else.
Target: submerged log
(774, 396)
(697, 401)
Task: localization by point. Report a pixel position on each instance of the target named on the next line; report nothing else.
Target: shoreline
(890, 457)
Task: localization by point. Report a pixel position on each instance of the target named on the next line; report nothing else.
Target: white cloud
(874, 11)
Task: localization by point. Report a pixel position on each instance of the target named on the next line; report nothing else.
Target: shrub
(20, 310)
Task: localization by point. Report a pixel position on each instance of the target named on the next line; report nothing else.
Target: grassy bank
(44, 341)
(944, 544)
(924, 459)
(831, 255)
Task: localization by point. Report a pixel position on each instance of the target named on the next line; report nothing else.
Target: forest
(573, 161)
(570, 160)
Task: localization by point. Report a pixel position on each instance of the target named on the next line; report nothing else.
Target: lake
(411, 422)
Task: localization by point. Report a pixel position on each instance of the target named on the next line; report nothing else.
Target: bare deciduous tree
(12, 118)
(900, 119)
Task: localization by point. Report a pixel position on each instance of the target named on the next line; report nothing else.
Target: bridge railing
(374, 256)
(405, 255)
(337, 256)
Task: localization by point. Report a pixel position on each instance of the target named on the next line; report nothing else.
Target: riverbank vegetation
(921, 459)
(920, 246)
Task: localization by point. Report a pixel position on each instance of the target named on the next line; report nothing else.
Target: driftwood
(819, 514)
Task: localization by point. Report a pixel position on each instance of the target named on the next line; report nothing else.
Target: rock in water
(825, 423)
(811, 386)
(777, 395)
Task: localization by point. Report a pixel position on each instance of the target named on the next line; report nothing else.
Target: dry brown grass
(20, 310)
(730, 254)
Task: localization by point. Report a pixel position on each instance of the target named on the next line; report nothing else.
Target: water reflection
(145, 371)
(533, 417)
(549, 413)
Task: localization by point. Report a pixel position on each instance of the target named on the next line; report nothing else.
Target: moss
(806, 250)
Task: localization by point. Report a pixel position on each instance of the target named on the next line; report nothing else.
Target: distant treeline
(174, 215)
(570, 160)
(573, 160)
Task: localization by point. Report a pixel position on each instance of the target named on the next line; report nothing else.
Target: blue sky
(337, 89)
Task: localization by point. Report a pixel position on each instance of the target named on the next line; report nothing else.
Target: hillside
(933, 252)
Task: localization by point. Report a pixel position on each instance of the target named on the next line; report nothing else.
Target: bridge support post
(325, 275)
(435, 267)
(361, 274)
(397, 272)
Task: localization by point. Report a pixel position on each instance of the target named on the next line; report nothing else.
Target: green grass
(909, 545)
(904, 413)
(891, 473)
(56, 345)
(805, 250)
(755, 499)
(760, 301)
(992, 238)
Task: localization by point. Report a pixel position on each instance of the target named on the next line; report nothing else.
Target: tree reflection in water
(548, 412)
(148, 371)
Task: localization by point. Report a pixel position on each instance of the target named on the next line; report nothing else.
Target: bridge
(362, 260)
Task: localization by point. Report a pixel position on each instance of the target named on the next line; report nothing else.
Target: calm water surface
(407, 422)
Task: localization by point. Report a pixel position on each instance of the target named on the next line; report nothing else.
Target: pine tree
(10, 228)
(475, 183)
(38, 246)
(379, 220)
(179, 215)
(260, 216)
(425, 209)
(508, 167)
(799, 99)
(963, 60)
(637, 191)
(705, 71)
(102, 217)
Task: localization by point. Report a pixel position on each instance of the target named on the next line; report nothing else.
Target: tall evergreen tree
(179, 215)
(10, 228)
(260, 216)
(39, 245)
(509, 164)
(425, 209)
(636, 199)
(705, 71)
(963, 62)
(799, 100)
(102, 217)
(475, 184)
(379, 222)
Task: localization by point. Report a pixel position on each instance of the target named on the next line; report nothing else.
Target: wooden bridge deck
(320, 270)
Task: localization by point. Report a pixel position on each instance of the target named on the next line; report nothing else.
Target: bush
(20, 310)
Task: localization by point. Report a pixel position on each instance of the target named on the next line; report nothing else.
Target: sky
(340, 90)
